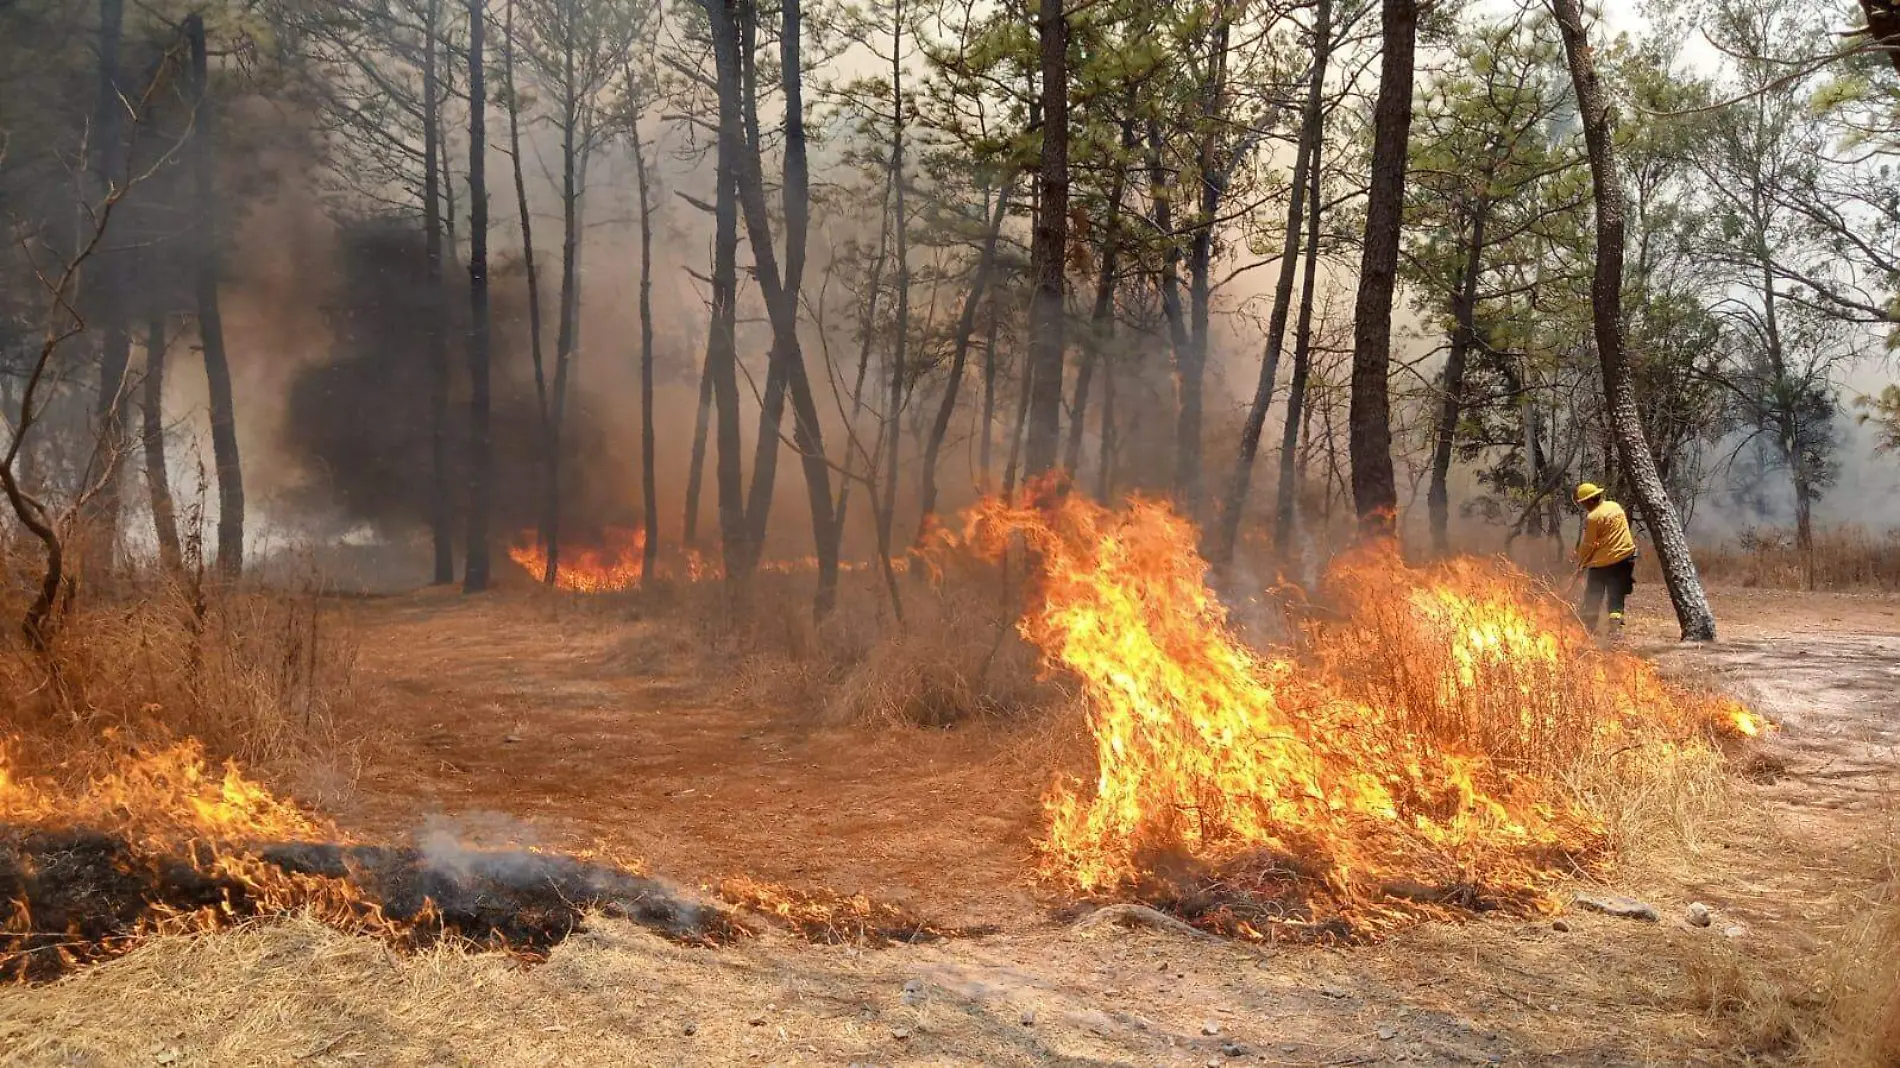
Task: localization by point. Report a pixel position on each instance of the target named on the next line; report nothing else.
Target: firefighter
(1606, 557)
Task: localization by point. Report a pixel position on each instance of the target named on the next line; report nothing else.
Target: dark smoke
(357, 425)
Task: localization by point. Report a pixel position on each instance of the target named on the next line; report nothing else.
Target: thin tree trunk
(1105, 466)
(475, 573)
(867, 333)
(1018, 430)
(1305, 162)
(649, 471)
(568, 310)
(1049, 245)
(109, 303)
(1375, 495)
(989, 397)
(546, 422)
(1299, 416)
(157, 477)
(224, 444)
(1190, 475)
(721, 337)
(440, 510)
(1102, 313)
(1672, 547)
(959, 356)
(1463, 335)
(900, 348)
(696, 464)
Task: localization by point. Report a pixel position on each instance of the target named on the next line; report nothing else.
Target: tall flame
(1417, 736)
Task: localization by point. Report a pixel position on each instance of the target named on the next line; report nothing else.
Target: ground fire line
(167, 842)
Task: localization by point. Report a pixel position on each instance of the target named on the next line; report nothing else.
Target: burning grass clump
(837, 919)
(1410, 754)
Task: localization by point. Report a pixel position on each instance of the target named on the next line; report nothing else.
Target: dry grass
(1861, 983)
(1844, 558)
(955, 658)
(142, 657)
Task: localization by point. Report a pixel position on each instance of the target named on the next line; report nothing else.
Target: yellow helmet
(1587, 491)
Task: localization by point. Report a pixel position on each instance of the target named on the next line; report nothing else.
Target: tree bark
(1102, 313)
(475, 575)
(989, 397)
(867, 335)
(1304, 161)
(781, 300)
(1190, 477)
(1298, 415)
(568, 308)
(440, 510)
(1451, 405)
(1049, 244)
(721, 337)
(649, 470)
(696, 462)
(900, 347)
(1693, 615)
(546, 423)
(109, 278)
(224, 444)
(157, 477)
(959, 357)
(1374, 493)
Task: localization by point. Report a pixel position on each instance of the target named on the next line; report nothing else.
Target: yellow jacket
(1606, 536)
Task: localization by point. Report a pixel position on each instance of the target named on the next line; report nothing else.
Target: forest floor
(575, 725)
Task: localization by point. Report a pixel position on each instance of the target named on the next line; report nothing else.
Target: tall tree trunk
(1464, 332)
(568, 309)
(867, 335)
(721, 336)
(989, 397)
(1375, 495)
(545, 419)
(157, 476)
(1102, 313)
(440, 500)
(224, 444)
(1190, 476)
(1105, 464)
(109, 304)
(781, 300)
(696, 461)
(1161, 194)
(1606, 290)
(900, 347)
(959, 356)
(1049, 244)
(475, 565)
(1299, 415)
(649, 470)
(1304, 162)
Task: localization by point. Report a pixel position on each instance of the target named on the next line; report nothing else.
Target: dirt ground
(576, 726)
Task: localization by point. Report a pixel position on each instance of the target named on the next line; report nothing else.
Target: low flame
(614, 564)
(1416, 737)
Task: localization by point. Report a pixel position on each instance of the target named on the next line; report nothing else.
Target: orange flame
(613, 565)
(1418, 736)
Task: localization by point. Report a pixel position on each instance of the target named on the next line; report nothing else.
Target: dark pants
(1616, 580)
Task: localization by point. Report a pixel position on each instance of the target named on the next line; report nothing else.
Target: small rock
(914, 992)
(1333, 991)
(1387, 1034)
(511, 739)
(166, 1056)
(1211, 1027)
(1623, 908)
(1734, 930)
(1698, 915)
(1233, 1049)
(900, 1033)
(757, 1020)
(1029, 1017)
(1561, 926)
(691, 1028)
(1288, 1047)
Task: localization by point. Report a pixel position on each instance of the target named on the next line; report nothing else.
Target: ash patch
(80, 895)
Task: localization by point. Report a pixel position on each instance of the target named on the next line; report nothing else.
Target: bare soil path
(580, 725)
